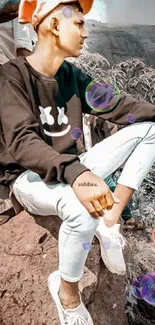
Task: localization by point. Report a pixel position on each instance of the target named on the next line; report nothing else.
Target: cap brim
(86, 5)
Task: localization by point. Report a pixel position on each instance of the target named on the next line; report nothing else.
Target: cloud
(98, 11)
(130, 11)
(123, 11)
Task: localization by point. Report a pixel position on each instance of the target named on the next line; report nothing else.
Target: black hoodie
(38, 115)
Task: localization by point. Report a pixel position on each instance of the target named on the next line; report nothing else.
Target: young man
(41, 110)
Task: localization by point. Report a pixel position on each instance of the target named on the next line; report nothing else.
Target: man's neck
(45, 60)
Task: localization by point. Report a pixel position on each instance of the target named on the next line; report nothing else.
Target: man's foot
(76, 316)
(112, 244)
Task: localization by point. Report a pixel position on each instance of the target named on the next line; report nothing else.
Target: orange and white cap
(33, 11)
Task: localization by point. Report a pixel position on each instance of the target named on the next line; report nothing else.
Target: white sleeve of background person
(24, 35)
(7, 44)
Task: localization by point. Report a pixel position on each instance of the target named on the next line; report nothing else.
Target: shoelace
(117, 238)
(75, 320)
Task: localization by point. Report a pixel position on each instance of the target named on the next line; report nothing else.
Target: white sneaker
(77, 316)
(112, 243)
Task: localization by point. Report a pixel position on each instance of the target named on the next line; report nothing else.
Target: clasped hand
(96, 196)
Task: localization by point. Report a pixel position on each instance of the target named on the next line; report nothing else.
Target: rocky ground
(28, 253)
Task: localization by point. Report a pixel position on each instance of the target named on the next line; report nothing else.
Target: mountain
(119, 43)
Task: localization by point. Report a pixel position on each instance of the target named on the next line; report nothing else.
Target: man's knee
(83, 222)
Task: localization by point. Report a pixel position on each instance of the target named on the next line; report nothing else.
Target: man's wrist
(74, 170)
(81, 177)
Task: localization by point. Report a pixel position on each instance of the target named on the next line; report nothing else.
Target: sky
(123, 11)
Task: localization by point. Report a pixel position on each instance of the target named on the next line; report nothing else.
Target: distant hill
(119, 43)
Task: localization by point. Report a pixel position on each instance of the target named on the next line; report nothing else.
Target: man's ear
(54, 26)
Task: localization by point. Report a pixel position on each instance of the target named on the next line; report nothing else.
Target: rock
(28, 254)
(142, 261)
(109, 294)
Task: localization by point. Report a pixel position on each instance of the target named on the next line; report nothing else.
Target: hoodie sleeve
(125, 107)
(23, 138)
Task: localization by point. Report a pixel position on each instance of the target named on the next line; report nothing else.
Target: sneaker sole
(105, 261)
(51, 279)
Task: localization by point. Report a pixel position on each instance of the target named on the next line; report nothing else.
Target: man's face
(72, 32)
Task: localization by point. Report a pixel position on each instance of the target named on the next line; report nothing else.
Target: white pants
(134, 144)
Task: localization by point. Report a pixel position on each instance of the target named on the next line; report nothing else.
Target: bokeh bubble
(106, 245)
(76, 133)
(136, 287)
(102, 94)
(67, 12)
(131, 118)
(87, 246)
(148, 288)
(144, 288)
